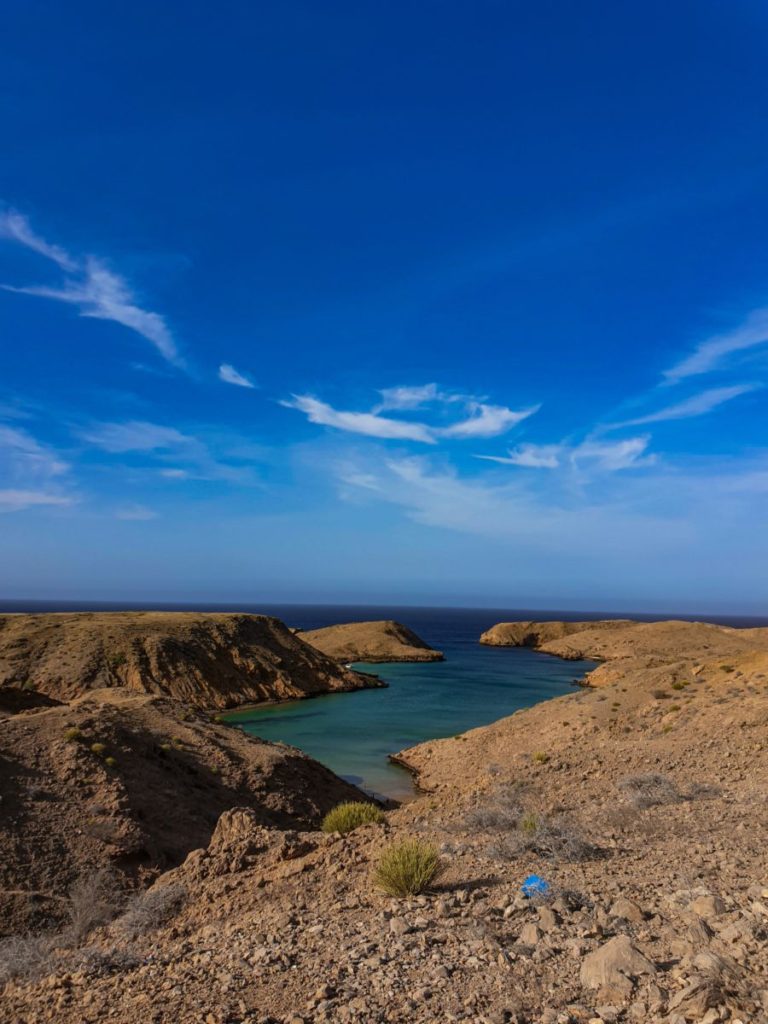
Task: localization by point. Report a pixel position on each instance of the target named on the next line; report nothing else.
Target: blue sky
(424, 303)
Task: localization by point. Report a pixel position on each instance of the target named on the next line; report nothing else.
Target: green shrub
(110, 762)
(348, 816)
(98, 748)
(72, 735)
(407, 868)
(540, 757)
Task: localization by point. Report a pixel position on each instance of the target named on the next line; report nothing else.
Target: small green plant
(349, 816)
(528, 823)
(110, 762)
(72, 735)
(661, 694)
(165, 746)
(678, 686)
(666, 728)
(219, 719)
(540, 757)
(674, 707)
(117, 660)
(407, 868)
(98, 748)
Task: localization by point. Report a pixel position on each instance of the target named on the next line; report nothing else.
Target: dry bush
(502, 812)
(650, 790)
(25, 957)
(407, 868)
(150, 909)
(553, 838)
(93, 900)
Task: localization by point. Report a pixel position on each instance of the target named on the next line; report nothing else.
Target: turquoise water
(353, 733)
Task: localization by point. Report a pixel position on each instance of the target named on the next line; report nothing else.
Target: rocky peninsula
(382, 641)
(213, 660)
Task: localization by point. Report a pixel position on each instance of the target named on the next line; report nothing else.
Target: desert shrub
(502, 812)
(540, 757)
(349, 816)
(110, 762)
(25, 957)
(649, 790)
(93, 900)
(679, 686)
(151, 909)
(98, 748)
(407, 868)
(661, 695)
(72, 735)
(117, 660)
(553, 838)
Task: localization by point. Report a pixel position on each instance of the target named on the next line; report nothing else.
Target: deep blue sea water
(354, 733)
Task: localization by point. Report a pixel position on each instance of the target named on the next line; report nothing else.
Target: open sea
(353, 733)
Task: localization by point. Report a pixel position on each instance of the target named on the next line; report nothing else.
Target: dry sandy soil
(371, 641)
(642, 802)
(208, 660)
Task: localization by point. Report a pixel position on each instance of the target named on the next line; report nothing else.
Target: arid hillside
(208, 660)
(132, 783)
(371, 641)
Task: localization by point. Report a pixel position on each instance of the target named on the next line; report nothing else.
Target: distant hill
(380, 641)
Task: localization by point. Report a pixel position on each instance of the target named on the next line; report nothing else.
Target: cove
(354, 733)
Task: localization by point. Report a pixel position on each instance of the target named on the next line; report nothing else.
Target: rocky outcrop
(537, 634)
(134, 783)
(209, 660)
(670, 651)
(371, 641)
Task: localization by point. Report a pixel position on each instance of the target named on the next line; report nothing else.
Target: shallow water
(353, 733)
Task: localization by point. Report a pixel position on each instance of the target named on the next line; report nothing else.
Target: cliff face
(371, 641)
(207, 660)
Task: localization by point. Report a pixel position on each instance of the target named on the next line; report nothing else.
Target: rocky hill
(208, 660)
(641, 804)
(132, 783)
(646, 651)
(371, 641)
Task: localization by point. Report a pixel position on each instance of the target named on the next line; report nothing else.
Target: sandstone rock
(708, 907)
(613, 966)
(627, 909)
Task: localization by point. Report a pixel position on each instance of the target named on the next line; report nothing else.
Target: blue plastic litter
(534, 886)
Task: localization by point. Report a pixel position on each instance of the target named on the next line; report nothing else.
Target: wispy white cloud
(135, 513)
(408, 397)
(484, 420)
(367, 423)
(592, 454)
(17, 500)
(534, 456)
(210, 456)
(136, 436)
(613, 455)
(98, 292)
(230, 375)
(708, 355)
(487, 421)
(696, 405)
(15, 227)
(35, 473)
